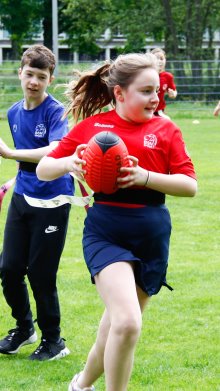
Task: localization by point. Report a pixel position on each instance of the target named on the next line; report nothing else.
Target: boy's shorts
(139, 235)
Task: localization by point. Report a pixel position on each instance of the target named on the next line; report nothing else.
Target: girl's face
(139, 100)
(161, 61)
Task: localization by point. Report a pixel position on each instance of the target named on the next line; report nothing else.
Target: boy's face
(161, 61)
(34, 82)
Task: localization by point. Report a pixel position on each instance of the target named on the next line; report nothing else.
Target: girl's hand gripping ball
(105, 154)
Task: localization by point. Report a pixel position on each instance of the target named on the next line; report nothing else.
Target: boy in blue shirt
(34, 237)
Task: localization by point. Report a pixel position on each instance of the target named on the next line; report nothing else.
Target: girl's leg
(143, 298)
(116, 286)
(95, 362)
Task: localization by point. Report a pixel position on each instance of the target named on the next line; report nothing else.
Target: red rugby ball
(105, 154)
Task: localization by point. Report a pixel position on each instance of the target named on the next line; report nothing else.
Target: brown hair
(39, 56)
(94, 89)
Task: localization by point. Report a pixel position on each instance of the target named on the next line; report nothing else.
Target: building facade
(107, 42)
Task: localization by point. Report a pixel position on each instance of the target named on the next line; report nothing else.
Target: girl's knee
(128, 328)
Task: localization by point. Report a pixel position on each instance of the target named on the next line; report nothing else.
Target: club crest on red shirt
(150, 141)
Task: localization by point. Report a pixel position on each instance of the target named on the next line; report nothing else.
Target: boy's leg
(13, 265)
(13, 268)
(48, 232)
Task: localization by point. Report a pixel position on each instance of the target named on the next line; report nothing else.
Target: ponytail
(95, 89)
(89, 94)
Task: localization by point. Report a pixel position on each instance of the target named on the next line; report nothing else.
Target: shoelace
(41, 346)
(44, 345)
(11, 333)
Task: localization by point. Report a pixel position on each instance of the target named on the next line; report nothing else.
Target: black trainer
(50, 351)
(17, 338)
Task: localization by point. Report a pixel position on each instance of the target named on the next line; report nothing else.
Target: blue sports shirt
(33, 129)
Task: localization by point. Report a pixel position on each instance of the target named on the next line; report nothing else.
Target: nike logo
(51, 228)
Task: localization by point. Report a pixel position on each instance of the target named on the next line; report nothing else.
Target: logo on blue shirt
(40, 131)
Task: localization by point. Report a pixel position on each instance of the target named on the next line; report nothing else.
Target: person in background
(34, 237)
(167, 84)
(217, 109)
(126, 234)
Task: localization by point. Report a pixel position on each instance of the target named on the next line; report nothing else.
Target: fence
(198, 84)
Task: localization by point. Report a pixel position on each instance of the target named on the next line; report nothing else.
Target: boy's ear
(51, 79)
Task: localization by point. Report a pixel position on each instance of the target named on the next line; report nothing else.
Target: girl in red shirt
(126, 234)
(167, 84)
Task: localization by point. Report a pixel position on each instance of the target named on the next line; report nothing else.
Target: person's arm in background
(171, 90)
(172, 93)
(217, 109)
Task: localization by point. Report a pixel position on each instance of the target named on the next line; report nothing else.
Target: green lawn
(179, 346)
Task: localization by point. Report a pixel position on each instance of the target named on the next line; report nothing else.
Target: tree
(21, 20)
(181, 25)
(130, 18)
(46, 15)
(186, 23)
(185, 26)
(84, 21)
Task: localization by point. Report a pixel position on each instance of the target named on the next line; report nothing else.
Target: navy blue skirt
(139, 235)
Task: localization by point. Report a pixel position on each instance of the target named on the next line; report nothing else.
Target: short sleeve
(171, 82)
(58, 127)
(180, 161)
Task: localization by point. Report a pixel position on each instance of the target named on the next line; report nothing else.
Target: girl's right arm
(49, 168)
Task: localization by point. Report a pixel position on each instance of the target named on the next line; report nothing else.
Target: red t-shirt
(157, 143)
(166, 81)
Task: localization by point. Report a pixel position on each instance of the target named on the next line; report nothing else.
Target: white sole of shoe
(61, 354)
(30, 340)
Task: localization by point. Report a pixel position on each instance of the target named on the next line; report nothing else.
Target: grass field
(179, 346)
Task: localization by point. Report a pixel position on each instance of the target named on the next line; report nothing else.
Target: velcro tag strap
(58, 201)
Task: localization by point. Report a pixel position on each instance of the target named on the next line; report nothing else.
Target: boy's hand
(5, 151)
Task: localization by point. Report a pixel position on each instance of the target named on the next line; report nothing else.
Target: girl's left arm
(172, 184)
(175, 184)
